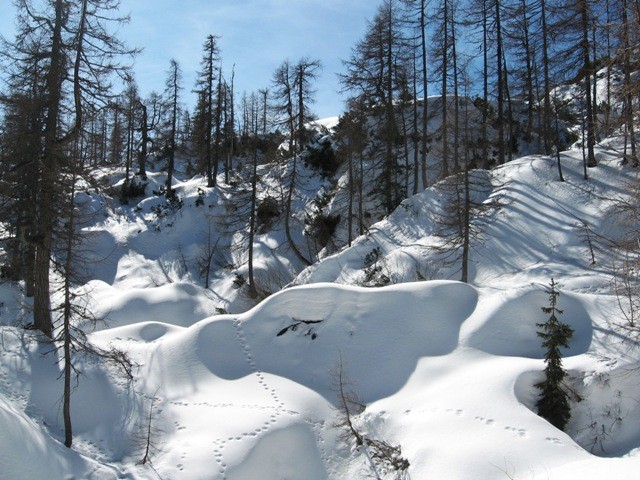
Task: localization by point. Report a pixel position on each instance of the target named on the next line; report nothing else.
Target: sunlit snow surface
(446, 369)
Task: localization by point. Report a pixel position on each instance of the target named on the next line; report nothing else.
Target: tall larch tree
(172, 92)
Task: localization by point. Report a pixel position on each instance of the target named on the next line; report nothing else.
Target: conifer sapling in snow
(553, 404)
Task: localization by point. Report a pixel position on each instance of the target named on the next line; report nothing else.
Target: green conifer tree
(553, 404)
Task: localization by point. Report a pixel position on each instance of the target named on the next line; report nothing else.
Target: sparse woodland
(441, 95)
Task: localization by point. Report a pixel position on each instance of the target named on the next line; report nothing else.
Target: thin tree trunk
(485, 90)
(68, 430)
(414, 134)
(211, 179)
(594, 84)
(232, 116)
(529, 73)
(351, 194)
(499, 59)
(456, 97)
(361, 198)
(510, 144)
(591, 139)
(287, 214)
(390, 159)
(467, 224)
(144, 133)
(558, 141)
(425, 87)
(628, 87)
(445, 67)
(547, 83)
(216, 140)
(253, 292)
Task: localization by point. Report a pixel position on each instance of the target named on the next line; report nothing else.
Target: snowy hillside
(446, 369)
(208, 282)
(536, 231)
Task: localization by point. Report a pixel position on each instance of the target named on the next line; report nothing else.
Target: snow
(446, 369)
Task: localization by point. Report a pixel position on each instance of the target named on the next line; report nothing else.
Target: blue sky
(256, 35)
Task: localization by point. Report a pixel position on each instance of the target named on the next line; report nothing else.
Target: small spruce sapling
(553, 404)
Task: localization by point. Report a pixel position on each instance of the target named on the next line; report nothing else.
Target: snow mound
(422, 319)
(22, 441)
(178, 303)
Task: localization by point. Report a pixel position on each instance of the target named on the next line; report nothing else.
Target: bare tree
(372, 76)
(291, 93)
(172, 92)
(384, 457)
(79, 57)
(466, 204)
(148, 124)
(206, 87)
(351, 135)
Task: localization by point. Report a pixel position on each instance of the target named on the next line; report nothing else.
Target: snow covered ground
(446, 369)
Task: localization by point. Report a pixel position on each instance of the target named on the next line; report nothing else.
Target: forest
(70, 105)
(441, 94)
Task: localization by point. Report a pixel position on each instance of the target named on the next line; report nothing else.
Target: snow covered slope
(537, 233)
(446, 369)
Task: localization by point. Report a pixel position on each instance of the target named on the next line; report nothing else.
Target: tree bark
(586, 72)
(425, 87)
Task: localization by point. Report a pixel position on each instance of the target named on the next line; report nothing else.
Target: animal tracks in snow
(485, 421)
(519, 432)
(269, 414)
(555, 441)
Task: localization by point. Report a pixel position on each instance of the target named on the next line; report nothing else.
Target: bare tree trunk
(253, 292)
(41, 300)
(529, 74)
(607, 112)
(144, 140)
(213, 173)
(425, 86)
(546, 131)
(391, 125)
(232, 113)
(445, 67)
(466, 222)
(558, 141)
(500, 80)
(70, 227)
(287, 214)
(485, 90)
(361, 227)
(414, 134)
(587, 66)
(351, 194)
(509, 110)
(594, 85)
(628, 86)
(456, 97)
(173, 88)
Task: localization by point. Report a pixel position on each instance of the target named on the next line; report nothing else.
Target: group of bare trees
(509, 57)
(500, 71)
(58, 72)
(495, 66)
(70, 104)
